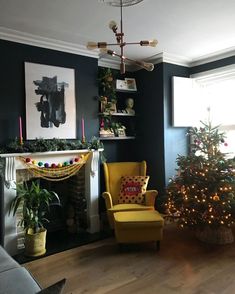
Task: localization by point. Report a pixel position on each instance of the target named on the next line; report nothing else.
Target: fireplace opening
(71, 214)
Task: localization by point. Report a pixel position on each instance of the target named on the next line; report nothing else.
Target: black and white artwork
(50, 102)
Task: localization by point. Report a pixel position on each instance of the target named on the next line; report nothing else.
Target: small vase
(221, 235)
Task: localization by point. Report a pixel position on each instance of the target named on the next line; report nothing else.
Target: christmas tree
(202, 194)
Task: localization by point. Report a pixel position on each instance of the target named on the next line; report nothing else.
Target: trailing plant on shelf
(106, 83)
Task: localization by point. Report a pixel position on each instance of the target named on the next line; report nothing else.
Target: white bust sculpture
(129, 106)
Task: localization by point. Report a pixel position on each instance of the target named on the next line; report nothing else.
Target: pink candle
(20, 129)
(83, 129)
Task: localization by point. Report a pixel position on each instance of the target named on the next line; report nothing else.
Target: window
(208, 95)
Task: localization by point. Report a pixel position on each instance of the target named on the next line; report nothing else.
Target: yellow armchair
(113, 173)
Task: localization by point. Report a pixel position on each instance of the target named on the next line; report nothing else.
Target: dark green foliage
(43, 145)
(35, 202)
(106, 83)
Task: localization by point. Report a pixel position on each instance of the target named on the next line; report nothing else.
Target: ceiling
(184, 28)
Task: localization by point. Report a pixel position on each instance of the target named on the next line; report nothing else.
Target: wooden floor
(183, 265)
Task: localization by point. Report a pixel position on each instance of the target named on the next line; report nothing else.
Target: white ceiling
(187, 28)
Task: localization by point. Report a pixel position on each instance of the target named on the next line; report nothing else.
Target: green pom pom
(40, 163)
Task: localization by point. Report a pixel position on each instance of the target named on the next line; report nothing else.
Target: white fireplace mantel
(13, 163)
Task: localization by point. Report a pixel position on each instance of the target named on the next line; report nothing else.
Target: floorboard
(183, 265)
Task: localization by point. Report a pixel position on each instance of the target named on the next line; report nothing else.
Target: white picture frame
(131, 84)
(50, 102)
(121, 85)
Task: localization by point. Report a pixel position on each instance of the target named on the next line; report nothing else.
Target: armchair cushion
(133, 189)
(129, 207)
(125, 208)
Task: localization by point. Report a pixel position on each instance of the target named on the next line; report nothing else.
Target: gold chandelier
(103, 46)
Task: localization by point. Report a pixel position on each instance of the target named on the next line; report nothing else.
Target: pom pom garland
(53, 171)
(54, 165)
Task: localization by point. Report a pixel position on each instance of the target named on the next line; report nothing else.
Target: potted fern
(35, 202)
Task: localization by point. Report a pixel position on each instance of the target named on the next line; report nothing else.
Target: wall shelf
(116, 114)
(126, 91)
(117, 138)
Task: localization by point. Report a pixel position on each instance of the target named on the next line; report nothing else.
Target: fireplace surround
(13, 163)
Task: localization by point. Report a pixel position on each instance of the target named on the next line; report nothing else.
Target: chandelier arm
(113, 53)
(126, 43)
(122, 44)
(142, 64)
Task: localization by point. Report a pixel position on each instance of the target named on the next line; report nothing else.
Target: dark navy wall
(12, 101)
(175, 140)
(212, 65)
(159, 142)
(149, 106)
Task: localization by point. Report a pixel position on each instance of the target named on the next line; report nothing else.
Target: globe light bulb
(94, 45)
(113, 26)
(103, 50)
(91, 45)
(153, 43)
(145, 65)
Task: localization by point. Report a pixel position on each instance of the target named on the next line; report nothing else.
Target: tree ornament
(216, 197)
(27, 159)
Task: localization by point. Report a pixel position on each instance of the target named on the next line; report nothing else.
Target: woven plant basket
(220, 236)
(35, 244)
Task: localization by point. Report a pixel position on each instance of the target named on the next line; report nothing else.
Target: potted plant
(35, 202)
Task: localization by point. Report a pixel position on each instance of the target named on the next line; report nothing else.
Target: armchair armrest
(150, 197)
(108, 200)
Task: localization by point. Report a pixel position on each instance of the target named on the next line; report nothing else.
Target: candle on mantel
(21, 132)
(83, 131)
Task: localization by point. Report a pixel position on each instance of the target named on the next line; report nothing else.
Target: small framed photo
(121, 132)
(131, 84)
(121, 85)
